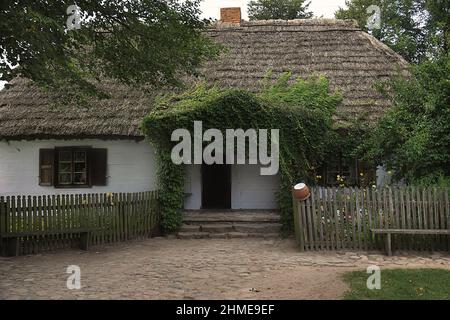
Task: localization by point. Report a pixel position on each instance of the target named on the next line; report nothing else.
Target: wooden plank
(91, 220)
(402, 209)
(395, 214)
(317, 219)
(40, 222)
(302, 238)
(3, 215)
(371, 216)
(100, 198)
(398, 202)
(296, 208)
(3, 225)
(329, 227)
(12, 215)
(410, 231)
(350, 202)
(436, 220)
(419, 205)
(132, 205)
(35, 224)
(380, 205)
(304, 223)
(388, 244)
(52, 218)
(121, 217)
(337, 219)
(115, 214)
(409, 216)
(340, 215)
(147, 216)
(385, 208)
(108, 212)
(359, 217)
(446, 212)
(310, 225)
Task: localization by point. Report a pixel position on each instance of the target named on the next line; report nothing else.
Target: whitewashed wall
(249, 190)
(193, 187)
(131, 166)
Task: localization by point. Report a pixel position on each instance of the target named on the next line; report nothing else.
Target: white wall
(193, 187)
(131, 166)
(249, 190)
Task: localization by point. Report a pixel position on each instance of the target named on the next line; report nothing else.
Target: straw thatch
(350, 58)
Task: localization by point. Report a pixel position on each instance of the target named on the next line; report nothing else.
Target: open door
(216, 186)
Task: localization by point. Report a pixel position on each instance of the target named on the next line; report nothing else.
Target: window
(341, 172)
(72, 167)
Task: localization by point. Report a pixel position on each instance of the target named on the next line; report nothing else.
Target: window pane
(80, 167)
(65, 178)
(65, 155)
(79, 178)
(65, 167)
(80, 156)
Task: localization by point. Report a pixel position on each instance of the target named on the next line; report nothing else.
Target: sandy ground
(167, 268)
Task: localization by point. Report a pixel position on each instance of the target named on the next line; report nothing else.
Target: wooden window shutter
(98, 165)
(46, 167)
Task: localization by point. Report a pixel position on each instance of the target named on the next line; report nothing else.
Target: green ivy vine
(302, 110)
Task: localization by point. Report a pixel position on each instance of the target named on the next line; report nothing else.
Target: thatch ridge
(338, 49)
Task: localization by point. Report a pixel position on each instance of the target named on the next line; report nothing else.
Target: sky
(211, 9)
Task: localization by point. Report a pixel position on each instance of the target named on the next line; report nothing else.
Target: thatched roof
(349, 57)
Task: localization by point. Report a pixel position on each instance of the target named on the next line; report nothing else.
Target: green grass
(401, 284)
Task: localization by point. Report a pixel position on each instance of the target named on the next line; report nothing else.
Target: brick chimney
(230, 15)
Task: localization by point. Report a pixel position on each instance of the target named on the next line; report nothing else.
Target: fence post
(3, 228)
(3, 216)
(296, 221)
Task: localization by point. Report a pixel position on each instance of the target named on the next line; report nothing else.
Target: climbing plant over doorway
(301, 109)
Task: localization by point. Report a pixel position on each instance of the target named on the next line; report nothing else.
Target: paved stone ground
(167, 268)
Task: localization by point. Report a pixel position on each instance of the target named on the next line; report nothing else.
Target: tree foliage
(413, 138)
(302, 112)
(416, 29)
(278, 9)
(141, 42)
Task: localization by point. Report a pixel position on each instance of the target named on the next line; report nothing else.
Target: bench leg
(12, 247)
(388, 244)
(84, 241)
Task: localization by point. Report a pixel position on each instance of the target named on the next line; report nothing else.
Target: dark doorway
(216, 186)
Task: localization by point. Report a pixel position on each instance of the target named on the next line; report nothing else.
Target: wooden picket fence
(341, 218)
(112, 217)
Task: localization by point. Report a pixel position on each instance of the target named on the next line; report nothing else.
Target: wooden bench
(388, 233)
(11, 241)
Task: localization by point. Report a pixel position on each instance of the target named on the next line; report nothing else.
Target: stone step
(227, 235)
(257, 227)
(240, 216)
(232, 227)
(190, 228)
(217, 228)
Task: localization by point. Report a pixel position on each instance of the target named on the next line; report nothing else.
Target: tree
(416, 29)
(413, 138)
(140, 42)
(278, 9)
